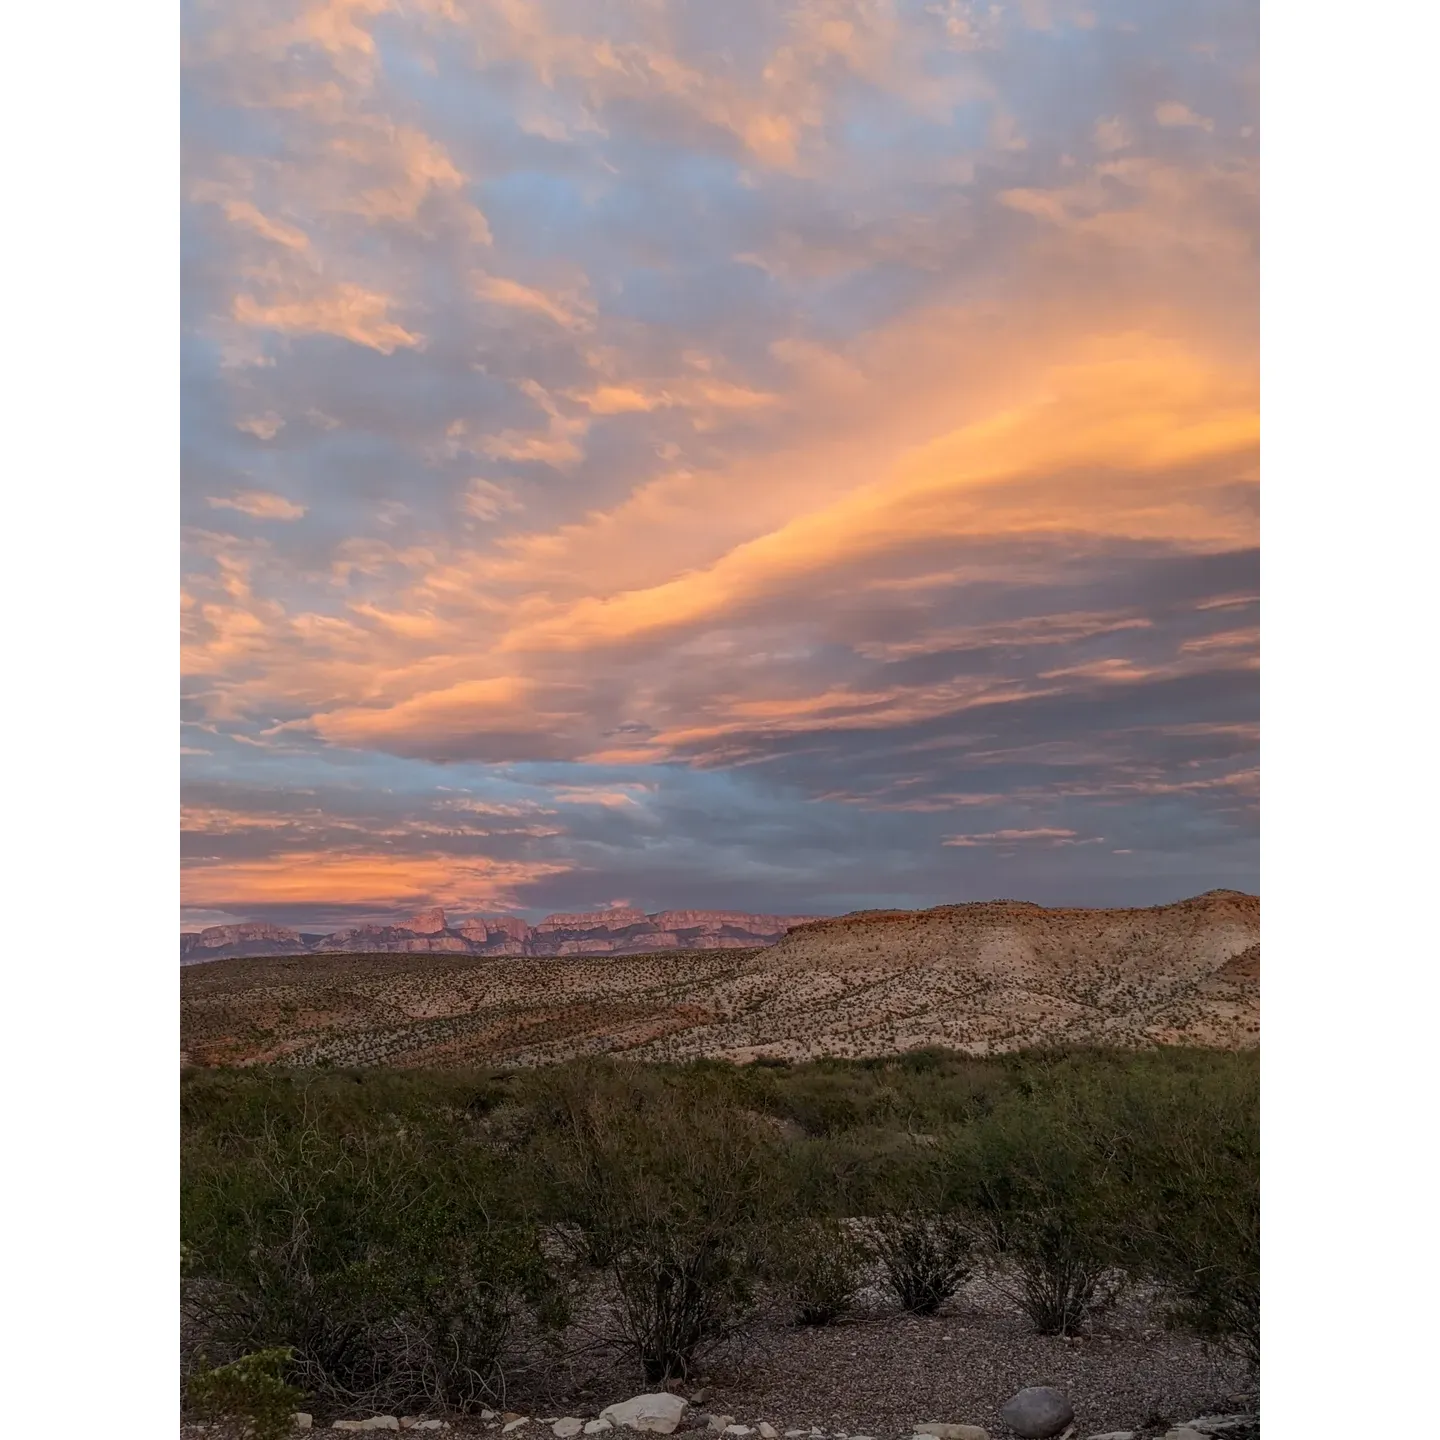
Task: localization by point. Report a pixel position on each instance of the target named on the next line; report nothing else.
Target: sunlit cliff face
(787, 457)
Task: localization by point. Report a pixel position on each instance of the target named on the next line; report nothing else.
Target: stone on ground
(718, 1423)
(942, 1430)
(567, 1426)
(657, 1413)
(301, 1421)
(597, 1427)
(767, 1431)
(1037, 1412)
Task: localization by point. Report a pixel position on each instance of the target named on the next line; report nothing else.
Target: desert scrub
(384, 1259)
(926, 1255)
(671, 1200)
(248, 1397)
(1184, 1205)
(1039, 1190)
(818, 1267)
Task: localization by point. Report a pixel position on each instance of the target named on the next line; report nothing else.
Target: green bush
(818, 1266)
(1184, 1206)
(926, 1255)
(248, 1397)
(670, 1196)
(380, 1255)
(1037, 1188)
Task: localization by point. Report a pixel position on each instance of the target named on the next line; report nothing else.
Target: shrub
(818, 1266)
(249, 1396)
(1186, 1208)
(926, 1255)
(374, 1254)
(1037, 1202)
(670, 1194)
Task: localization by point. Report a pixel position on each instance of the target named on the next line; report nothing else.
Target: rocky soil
(882, 1375)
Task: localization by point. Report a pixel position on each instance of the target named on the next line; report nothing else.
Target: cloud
(780, 446)
(260, 504)
(349, 312)
(1173, 114)
(262, 427)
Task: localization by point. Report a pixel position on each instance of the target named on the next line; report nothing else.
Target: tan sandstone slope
(982, 978)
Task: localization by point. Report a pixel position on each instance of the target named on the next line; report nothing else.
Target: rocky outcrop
(620, 931)
(223, 940)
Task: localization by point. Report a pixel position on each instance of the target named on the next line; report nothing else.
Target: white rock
(767, 1431)
(719, 1422)
(942, 1430)
(489, 1415)
(791, 1434)
(567, 1426)
(510, 1425)
(658, 1413)
(301, 1421)
(597, 1427)
(739, 1429)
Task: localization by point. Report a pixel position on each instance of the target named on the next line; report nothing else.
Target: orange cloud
(327, 877)
(1128, 410)
(350, 312)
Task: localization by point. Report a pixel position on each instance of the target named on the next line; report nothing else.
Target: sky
(787, 457)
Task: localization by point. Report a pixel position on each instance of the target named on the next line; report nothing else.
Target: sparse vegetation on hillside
(982, 979)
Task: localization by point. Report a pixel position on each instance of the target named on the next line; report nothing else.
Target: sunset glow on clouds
(791, 457)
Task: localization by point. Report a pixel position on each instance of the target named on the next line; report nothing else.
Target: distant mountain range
(596, 932)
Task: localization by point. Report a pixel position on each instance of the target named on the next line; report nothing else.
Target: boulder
(597, 1427)
(657, 1413)
(567, 1426)
(301, 1421)
(767, 1431)
(942, 1430)
(1037, 1412)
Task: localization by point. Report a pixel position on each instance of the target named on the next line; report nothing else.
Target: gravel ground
(883, 1372)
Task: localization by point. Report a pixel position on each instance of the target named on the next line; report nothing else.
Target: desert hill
(596, 932)
(982, 978)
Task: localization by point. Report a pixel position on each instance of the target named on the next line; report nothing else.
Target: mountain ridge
(594, 932)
